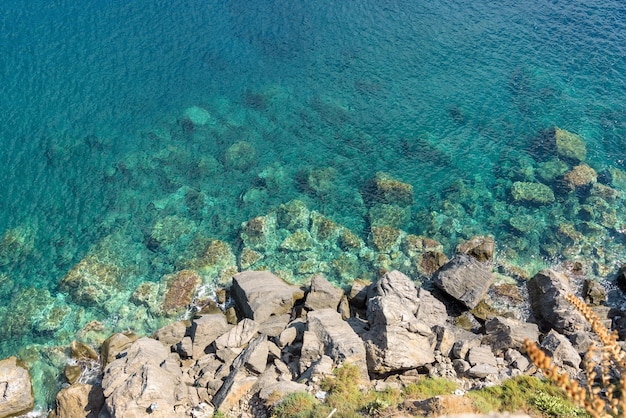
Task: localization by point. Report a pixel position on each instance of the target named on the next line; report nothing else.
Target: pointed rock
(340, 342)
(547, 291)
(396, 340)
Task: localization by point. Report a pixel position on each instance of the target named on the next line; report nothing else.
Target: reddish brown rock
(180, 289)
(79, 401)
(479, 247)
(579, 176)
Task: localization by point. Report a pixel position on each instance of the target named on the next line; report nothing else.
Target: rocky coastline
(268, 339)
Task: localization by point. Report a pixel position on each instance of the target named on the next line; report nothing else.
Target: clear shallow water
(446, 96)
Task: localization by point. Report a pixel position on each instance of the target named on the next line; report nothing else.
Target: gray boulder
(547, 291)
(274, 325)
(173, 333)
(359, 290)
(146, 379)
(465, 279)
(503, 333)
(238, 382)
(396, 340)
(340, 342)
(483, 362)
(261, 294)
(312, 349)
(15, 388)
(115, 344)
(239, 335)
(465, 341)
(430, 310)
(322, 294)
(561, 350)
(481, 355)
(205, 330)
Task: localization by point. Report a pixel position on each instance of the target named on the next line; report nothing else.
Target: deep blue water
(449, 96)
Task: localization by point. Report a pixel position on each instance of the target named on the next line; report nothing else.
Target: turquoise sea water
(99, 161)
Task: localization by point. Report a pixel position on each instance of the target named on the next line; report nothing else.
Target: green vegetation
(344, 395)
(527, 394)
(429, 387)
(297, 405)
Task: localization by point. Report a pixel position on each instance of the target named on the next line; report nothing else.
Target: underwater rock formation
(383, 188)
(198, 116)
(570, 145)
(92, 282)
(240, 156)
(531, 192)
(579, 176)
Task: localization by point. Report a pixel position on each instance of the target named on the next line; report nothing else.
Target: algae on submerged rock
(531, 192)
(570, 145)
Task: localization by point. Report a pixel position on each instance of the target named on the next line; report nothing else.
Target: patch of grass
(526, 394)
(344, 392)
(429, 387)
(554, 406)
(298, 405)
(378, 403)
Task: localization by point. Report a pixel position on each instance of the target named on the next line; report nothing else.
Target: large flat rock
(261, 294)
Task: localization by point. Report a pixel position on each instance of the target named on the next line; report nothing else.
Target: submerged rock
(239, 156)
(215, 261)
(580, 176)
(93, 282)
(198, 116)
(300, 240)
(387, 190)
(178, 290)
(259, 233)
(530, 192)
(386, 239)
(293, 215)
(16, 244)
(570, 145)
